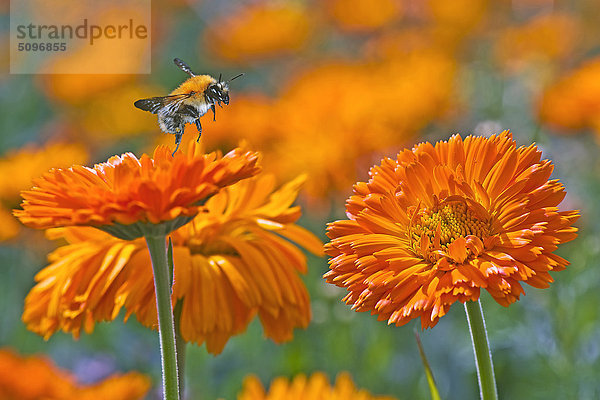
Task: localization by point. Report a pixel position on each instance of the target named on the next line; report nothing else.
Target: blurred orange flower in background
(125, 194)
(438, 223)
(259, 30)
(9, 227)
(543, 39)
(252, 118)
(354, 112)
(19, 167)
(231, 262)
(363, 15)
(111, 115)
(370, 107)
(456, 19)
(573, 102)
(76, 89)
(37, 378)
(315, 387)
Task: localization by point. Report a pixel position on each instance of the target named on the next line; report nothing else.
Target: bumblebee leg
(177, 141)
(178, 135)
(212, 107)
(199, 126)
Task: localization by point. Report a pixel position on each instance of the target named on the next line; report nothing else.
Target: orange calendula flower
(438, 223)
(231, 262)
(262, 29)
(380, 98)
(9, 227)
(573, 102)
(126, 196)
(459, 17)
(252, 118)
(315, 387)
(544, 38)
(18, 168)
(110, 115)
(37, 378)
(362, 15)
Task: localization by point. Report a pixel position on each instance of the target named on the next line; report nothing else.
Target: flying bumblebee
(186, 104)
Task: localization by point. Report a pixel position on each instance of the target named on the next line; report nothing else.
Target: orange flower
(545, 38)
(9, 227)
(439, 223)
(231, 263)
(259, 30)
(36, 378)
(315, 387)
(77, 89)
(573, 102)
(459, 17)
(18, 168)
(110, 115)
(126, 195)
(369, 107)
(251, 117)
(363, 15)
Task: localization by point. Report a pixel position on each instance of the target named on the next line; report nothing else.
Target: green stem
(181, 346)
(166, 332)
(180, 343)
(481, 348)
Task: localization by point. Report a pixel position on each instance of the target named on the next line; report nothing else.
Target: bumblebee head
(218, 92)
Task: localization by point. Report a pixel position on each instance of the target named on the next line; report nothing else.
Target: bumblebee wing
(183, 66)
(154, 104)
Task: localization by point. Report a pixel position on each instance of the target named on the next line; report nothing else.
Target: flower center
(433, 231)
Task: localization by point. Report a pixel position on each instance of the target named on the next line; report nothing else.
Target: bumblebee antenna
(235, 77)
(219, 78)
(184, 67)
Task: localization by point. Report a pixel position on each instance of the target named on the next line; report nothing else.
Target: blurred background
(329, 88)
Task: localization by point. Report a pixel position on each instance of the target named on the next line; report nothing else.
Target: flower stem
(481, 348)
(181, 347)
(166, 331)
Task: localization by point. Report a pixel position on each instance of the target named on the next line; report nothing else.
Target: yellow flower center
(443, 224)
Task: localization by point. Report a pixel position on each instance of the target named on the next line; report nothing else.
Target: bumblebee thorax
(197, 84)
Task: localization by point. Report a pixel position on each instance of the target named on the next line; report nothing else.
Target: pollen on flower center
(444, 224)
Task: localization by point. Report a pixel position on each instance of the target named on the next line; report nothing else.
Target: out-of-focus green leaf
(435, 395)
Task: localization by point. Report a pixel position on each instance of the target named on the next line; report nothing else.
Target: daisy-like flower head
(233, 261)
(315, 387)
(35, 377)
(438, 223)
(127, 196)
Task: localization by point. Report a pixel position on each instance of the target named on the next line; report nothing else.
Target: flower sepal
(145, 229)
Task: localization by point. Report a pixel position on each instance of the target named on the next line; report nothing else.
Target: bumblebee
(186, 104)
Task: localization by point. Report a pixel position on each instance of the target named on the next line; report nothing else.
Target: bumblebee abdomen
(168, 123)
